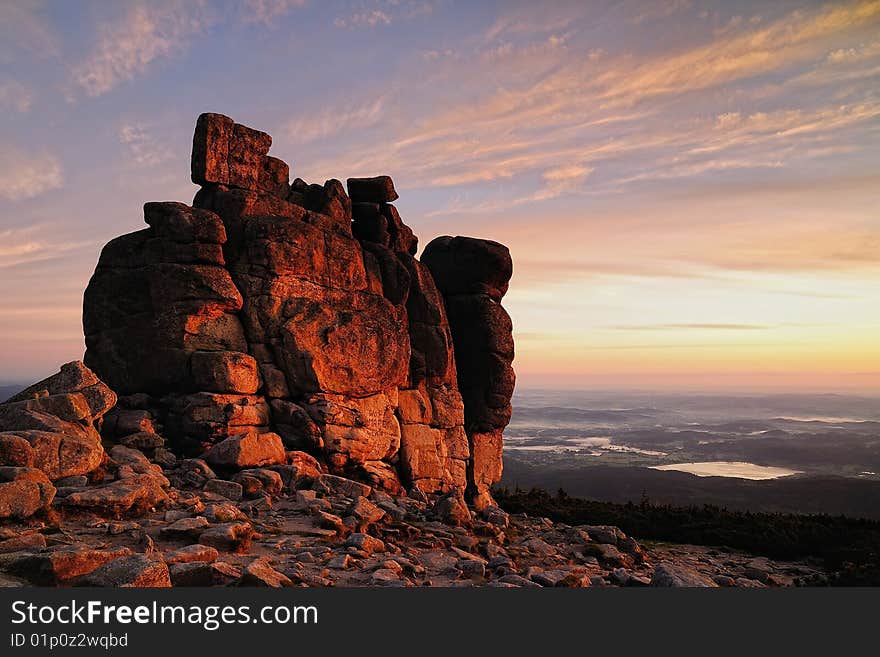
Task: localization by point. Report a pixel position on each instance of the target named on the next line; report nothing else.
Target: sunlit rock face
(300, 310)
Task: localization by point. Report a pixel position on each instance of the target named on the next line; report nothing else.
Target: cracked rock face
(298, 315)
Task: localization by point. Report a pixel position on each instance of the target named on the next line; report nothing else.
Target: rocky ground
(292, 525)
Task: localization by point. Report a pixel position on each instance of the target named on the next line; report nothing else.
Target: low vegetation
(849, 547)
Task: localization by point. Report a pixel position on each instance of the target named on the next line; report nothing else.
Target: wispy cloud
(20, 246)
(142, 145)
(147, 33)
(545, 103)
(377, 13)
(370, 18)
(319, 124)
(24, 174)
(266, 12)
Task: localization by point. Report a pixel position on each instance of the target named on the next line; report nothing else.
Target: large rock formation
(473, 275)
(297, 313)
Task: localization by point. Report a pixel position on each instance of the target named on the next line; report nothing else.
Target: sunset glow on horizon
(690, 190)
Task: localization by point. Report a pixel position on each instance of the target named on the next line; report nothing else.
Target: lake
(738, 469)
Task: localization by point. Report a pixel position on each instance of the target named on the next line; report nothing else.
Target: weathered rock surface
(23, 492)
(289, 311)
(53, 424)
(49, 433)
(473, 276)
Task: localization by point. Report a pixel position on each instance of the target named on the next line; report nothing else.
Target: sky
(690, 190)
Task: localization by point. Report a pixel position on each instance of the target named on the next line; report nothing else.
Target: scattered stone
(340, 562)
(257, 482)
(365, 542)
(495, 516)
(248, 450)
(365, 512)
(259, 572)
(231, 490)
(136, 495)
(223, 513)
(62, 565)
(198, 573)
(517, 580)
(32, 542)
(184, 529)
(133, 571)
(192, 553)
(539, 547)
(451, 509)
(23, 492)
(385, 577)
(229, 537)
(346, 487)
(676, 575)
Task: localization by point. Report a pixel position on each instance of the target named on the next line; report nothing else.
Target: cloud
(377, 13)
(324, 123)
(147, 33)
(142, 146)
(25, 175)
(14, 95)
(268, 11)
(370, 18)
(533, 99)
(560, 180)
(536, 18)
(20, 246)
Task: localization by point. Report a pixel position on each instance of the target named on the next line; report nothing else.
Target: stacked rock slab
(287, 311)
(473, 275)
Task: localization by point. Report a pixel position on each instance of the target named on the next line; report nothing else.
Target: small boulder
(24, 492)
(451, 509)
(248, 450)
(133, 571)
(62, 565)
(365, 512)
(15, 450)
(191, 554)
(229, 537)
(32, 542)
(184, 529)
(231, 490)
(675, 575)
(365, 543)
(259, 572)
(346, 487)
(136, 495)
(256, 482)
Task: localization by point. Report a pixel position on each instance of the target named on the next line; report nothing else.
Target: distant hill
(852, 497)
(7, 391)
